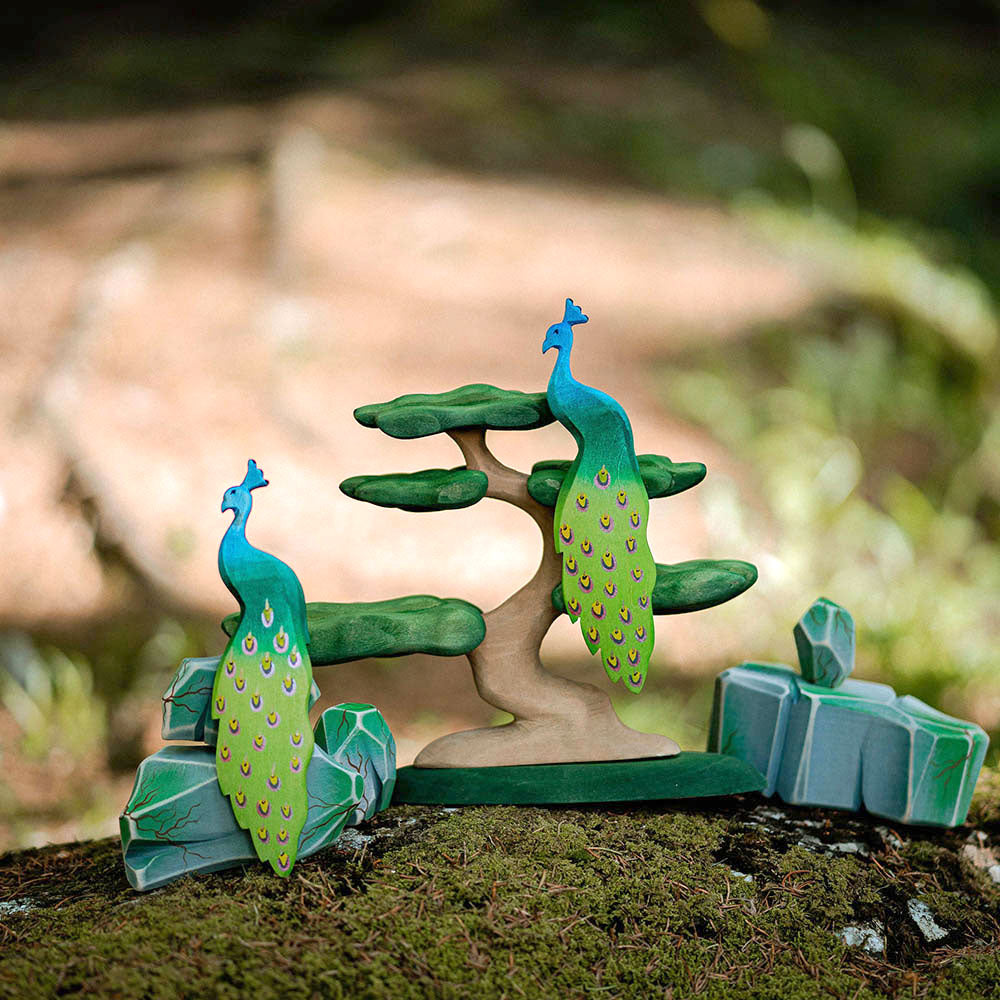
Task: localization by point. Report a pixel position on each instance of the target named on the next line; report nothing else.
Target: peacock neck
(562, 376)
(233, 548)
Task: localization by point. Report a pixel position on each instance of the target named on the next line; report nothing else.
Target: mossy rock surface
(729, 899)
(432, 489)
(479, 405)
(691, 586)
(340, 633)
(660, 476)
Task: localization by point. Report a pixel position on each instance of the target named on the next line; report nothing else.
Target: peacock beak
(547, 343)
(228, 505)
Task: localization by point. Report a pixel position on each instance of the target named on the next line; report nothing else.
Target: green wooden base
(688, 775)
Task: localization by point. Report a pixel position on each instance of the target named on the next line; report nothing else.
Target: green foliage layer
(722, 902)
(692, 586)
(421, 414)
(432, 489)
(340, 633)
(660, 476)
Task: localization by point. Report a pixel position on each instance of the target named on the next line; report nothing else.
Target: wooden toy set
(256, 781)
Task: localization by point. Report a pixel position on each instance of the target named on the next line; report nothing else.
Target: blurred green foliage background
(862, 139)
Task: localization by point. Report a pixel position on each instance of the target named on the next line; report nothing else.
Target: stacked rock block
(177, 821)
(825, 740)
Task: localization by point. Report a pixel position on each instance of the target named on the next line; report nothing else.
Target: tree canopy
(478, 405)
(432, 489)
(340, 633)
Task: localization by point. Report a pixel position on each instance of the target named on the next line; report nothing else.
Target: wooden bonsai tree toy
(271, 788)
(596, 566)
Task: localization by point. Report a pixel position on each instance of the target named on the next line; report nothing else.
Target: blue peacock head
(238, 497)
(560, 335)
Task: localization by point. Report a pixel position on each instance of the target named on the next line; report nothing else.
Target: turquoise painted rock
(177, 821)
(358, 738)
(857, 744)
(824, 638)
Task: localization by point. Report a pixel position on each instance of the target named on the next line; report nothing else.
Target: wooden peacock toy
(261, 691)
(608, 570)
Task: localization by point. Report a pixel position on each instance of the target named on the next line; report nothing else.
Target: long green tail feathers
(608, 569)
(265, 743)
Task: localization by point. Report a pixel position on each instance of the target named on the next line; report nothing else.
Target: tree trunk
(556, 721)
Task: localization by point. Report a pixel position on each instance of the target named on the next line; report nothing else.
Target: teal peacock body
(261, 691)
(608, 570)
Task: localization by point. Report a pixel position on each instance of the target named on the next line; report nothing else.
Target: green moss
(505, 900)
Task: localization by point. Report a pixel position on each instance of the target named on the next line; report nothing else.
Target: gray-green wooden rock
(357, 737)
(480, 406)
(858, 744)
(432, 489)
(824, 638)
(340, 633)
(178, 822)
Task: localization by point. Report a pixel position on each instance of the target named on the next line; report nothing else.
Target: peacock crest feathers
(261, 692)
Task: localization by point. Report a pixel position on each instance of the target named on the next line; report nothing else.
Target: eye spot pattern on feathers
(603, 479)
(288, 684)
(220, 703)
(566, 533)
(240, 684)
(593, 634)
(625, 615)
(295, 659)
(283, 861)
(273, 719)
(616, 636)
(608, 560)
(263, 807)
(267, 665)
(282, 836)
(571, 565)
(636, 573)
(245, 768)
(230, 666)
(607, 523)
(597, 610)
(249, 644)
(630, 544)
(612, 662)
(635, 519)
(274, 781)
(640, 633)
(574, 606)
(255, 701)
(267, 615)
(295, 764)
(286, 810)
(586, 548)
(622, 499)
(259, 743)
(582, 501)
(644, 601)
(586, 583)
(234, 726)
(262, 834)
(296, 739)
(281, 641)
(610, 589)
(636, 679)
(241, 798)
(225, 753)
